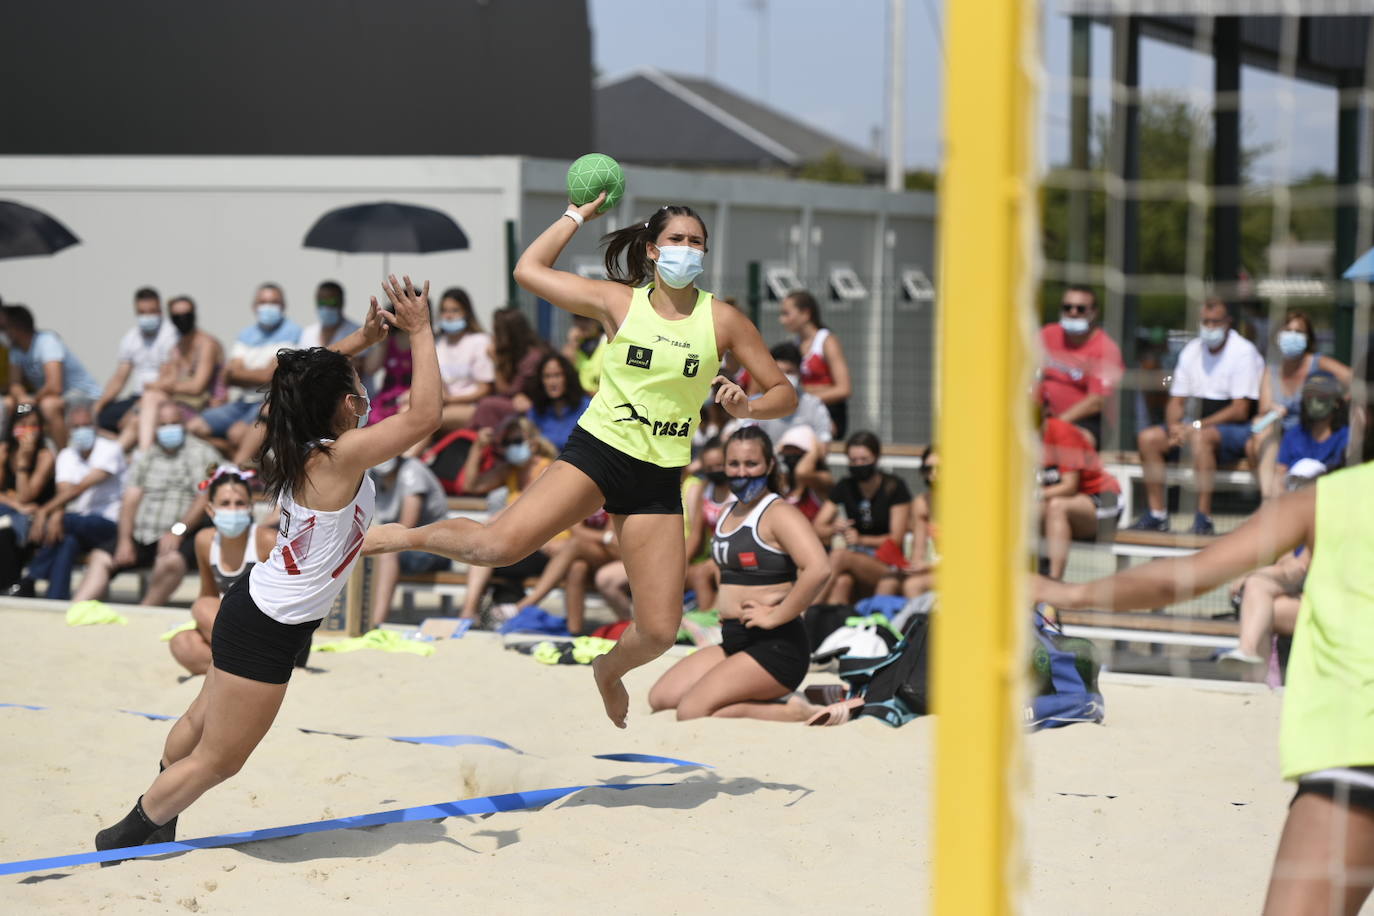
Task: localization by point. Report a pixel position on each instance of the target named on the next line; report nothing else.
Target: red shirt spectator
(1067, 449)
(1082, 364)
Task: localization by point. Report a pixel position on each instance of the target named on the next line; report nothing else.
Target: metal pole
(1347, 209)
(1080, 132)
(896, 96)
(1226, 156)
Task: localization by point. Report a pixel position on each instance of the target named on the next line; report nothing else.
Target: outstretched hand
(411, 305)
(588, 210)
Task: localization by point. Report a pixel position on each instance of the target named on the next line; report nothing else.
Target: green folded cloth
(188, 625)
(85, 613)
(546, 653)
(385, 640)
(586, 648)
(877, 620)
(696, 626)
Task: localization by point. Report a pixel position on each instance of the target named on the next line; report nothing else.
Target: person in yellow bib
(1325, 859)
(664, 342)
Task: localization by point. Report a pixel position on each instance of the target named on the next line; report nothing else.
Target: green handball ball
(592, 174)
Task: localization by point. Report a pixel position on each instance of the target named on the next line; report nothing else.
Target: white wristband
(573, 215)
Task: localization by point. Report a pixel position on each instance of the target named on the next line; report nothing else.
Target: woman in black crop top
(877, 508)
(772, 568)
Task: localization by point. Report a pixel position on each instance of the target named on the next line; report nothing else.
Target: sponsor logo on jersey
(748, 559)
(690, 367)
(639, 357)
(659, 338)
(669, 428)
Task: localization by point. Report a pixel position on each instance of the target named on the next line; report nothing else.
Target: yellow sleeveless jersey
(1328, 701)
(655, 375)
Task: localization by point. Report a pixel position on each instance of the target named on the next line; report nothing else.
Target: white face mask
(1292, 344)
(679, 265)
(794, 380)
(1074, 326)
(1212, 337)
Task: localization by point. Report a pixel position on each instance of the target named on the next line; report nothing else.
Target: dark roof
(301, 77)
(656, 118)
(1330, 47)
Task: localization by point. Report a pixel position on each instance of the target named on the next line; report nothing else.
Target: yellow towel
(385, 640)
(85, 613)
(188, 625)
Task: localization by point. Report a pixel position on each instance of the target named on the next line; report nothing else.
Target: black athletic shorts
(783, 652)
(630, 486)
(248, 643)
(1352, 786)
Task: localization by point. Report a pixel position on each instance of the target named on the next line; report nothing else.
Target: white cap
(1305, 470)
(801, 436)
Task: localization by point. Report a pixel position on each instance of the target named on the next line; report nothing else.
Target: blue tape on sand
(455, 741)
(652, 758)
(155, 716)
(21, 706)
(489, 804)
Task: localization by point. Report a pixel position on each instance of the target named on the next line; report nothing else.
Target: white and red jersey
(315, 552)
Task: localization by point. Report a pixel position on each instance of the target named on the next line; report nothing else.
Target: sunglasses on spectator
(1070, 308)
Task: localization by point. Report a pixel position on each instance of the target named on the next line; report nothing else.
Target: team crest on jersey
(690, 367)
(639, 357)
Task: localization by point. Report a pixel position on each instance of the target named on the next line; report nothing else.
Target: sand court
(1173, 804)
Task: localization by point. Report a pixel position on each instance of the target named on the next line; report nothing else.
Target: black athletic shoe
(1147, 522)
(167, 833)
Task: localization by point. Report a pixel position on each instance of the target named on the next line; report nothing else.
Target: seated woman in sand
(224, 555)
(772, 567)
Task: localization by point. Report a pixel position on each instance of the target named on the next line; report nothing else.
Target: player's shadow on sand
(362, 842)
(692, 792)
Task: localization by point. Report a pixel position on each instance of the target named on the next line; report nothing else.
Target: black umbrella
(384, 228)
(25, 232)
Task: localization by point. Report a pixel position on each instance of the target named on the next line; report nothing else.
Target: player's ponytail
(634, 241)
(301, 408)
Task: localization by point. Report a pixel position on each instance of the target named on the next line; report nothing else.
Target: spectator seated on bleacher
(188, 376)
(557, 399)
(1222, 370)
(806, 476)
(1322, 432)
(517, 352)
(408, 493)
(925, 557)
(876, 507)
(464, 359)
(162, 501)
(393, 360)
(1082, 364)
(27, 466)
(252, 361)
(702, 507)
(824, 369)
(83, 514)
(143, 351)
(1281, 393)
(1269, 599)
(330, 324)
(1078, 499)
(811, 411)
(225, 553)
(43, 372)
(585, 348)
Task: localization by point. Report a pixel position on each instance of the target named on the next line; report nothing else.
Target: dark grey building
(296, 77)
(654, 118)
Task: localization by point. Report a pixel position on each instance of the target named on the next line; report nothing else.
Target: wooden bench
(1126, 467)
(1165, 629)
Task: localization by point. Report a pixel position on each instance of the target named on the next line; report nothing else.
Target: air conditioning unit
(780, 280)
(845, 285)
(916, 286)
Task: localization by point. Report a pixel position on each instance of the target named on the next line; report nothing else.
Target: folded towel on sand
(535, 620)
(188, 625)
(385, 640)
(580, 651)
(85, 613)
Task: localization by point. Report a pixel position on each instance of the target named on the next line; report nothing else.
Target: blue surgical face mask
(1212, 337)
(149, 324)
(171, 435)
(83, 438)
(747, 489)
(329, 315)
(232, 522)
(367, 409)
(1292, 343)
(517, 453)
(269, 315)
(453, 325)
(679, 265)
(1074, 326)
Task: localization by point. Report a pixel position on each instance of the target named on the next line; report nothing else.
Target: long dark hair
(512, 338)
(300, 408)
(634, 240)
(573, 392)
(7, 480)
(756, 434)
(460, 296)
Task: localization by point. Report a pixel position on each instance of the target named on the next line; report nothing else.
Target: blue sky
(824, 61)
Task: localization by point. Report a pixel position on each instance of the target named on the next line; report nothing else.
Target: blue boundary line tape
(20, 706)
(487, 804)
